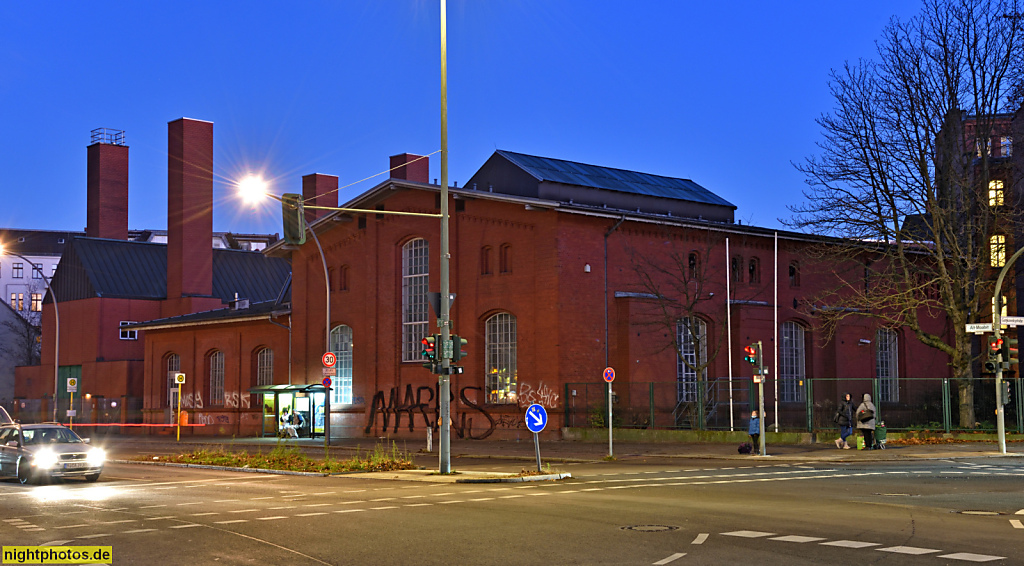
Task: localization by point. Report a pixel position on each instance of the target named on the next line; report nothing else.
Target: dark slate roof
(609, 178)
(916, 227)
(94, 267)
(226, 314)
(36, 242)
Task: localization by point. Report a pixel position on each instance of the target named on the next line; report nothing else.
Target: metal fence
(721, 404)
(94, 410)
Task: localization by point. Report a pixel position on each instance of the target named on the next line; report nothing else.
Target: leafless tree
(905, 185)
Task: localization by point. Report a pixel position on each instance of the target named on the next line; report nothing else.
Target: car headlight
(96, 457)
(45, 459)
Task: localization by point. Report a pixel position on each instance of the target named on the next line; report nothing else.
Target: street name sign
(980, 328)
(1012, 321)
(536, 418)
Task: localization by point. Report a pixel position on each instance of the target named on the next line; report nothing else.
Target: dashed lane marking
(230, 522)
(797, 538)
(700, 538)
(419, 505)
(1021, 512)
(190, 503)
(244, 511)
(271, 518)
(969, 557)
(671, 558)
(1016, 524)
(72, 526)
(748, 534)
(383, 508)
(349, 510)
(205, 514)
(100, 535)
(311, 514)
(136, 531)
(56, 542)
(188, 526)
(158, 518)
(908, 550)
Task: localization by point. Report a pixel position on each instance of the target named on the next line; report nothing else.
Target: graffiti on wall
(235, 400)
(541, 395)
(412, 404)
(192, 400)
(202, 418)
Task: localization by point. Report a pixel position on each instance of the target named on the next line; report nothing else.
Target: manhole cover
(649, 528)
(979, 512)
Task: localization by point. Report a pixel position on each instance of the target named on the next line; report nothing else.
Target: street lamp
(56, 334)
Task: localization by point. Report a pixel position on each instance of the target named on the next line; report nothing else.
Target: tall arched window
(173, 367)
(341, 346)
(754, 270)
(794, 274)
(265, 367)
(505, 258)
(343, 278)
(485, 260)
(737, 269)
(691, 336)
(216, 365)
(500, 348)
(415, 309)
(791, 362)
(887, 365)
(693, 265)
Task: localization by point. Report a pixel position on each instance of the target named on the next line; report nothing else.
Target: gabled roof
(95, 267)
(609, 178)
(255, 311)
(36, 242)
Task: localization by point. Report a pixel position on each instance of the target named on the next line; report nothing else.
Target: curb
(518, 479)
(220, 468)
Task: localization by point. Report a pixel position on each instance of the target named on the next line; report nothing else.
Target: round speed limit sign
(330, 359)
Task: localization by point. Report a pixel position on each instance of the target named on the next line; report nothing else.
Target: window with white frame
(415, 308)
(127, 334)
(18, 270)
(691, 335)
(886, 365)
(500, 353)
(1006, 146)
(37, 271)
(791, 362)
(265, 367)
(217, 378)
(341, 347)
(37, 302)
(173, 367)
(997, 250)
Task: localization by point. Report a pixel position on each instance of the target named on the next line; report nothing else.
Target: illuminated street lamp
(56, 334)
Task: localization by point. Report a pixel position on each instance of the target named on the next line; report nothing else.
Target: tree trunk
(965, 396)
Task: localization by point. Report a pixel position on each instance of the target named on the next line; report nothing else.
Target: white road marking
(71, 526)
(511, 496)
(95, 536)
(1021, 512)
(270, 518)
(138, 531)
(672, 558)
(350, 510)
(229, 522)
(972, 557)
(419, 505)
(55, 542)
(205, 514)
(244, 511)
(908, 550)
(188, 526)
(484, 499)
(158, 518)
(797, 538)
(15, 521)
(310, 514)
(116, 522)
(226, 501)
(700, 538)
(258, 498)
(384, 499)
(283, 507)
(1016, 524)
(318, 505)
(748, 534)
(447, 502)
(191, 503)
(382, 508)
(151, 506)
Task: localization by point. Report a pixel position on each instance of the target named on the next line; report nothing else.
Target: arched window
(415, 309)
(173, 367)
(500, 348)
(265, 367)
(791, 362)
(754, 270)
(887, 365)
(737, 269)
(794, 274)
(485, 260)
(505, 258)
(693, 265)
(691, 338)
(341, 346)
(343, 278)
(216, 368)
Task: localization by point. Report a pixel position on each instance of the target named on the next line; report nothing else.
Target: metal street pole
(444, 452)
(996, 320)
(760, 395)
(327, 341)
(56, 327)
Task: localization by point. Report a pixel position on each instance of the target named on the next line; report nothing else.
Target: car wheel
(92, 477)
(24, 472)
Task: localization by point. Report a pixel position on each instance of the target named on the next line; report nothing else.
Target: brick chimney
(418, 172)
(319, 190)
(107, 185)
(189, 212)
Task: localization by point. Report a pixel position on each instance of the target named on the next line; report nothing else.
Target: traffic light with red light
(753, 352)
(993, 349)
(429, 350)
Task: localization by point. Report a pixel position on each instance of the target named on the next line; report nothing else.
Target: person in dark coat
(866, 421)
(844, 418)
(754, 430)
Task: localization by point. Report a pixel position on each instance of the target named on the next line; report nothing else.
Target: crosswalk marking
(671, 558)
(908, 550)
(748, 534)
(971, 557)
(700, 538)
(797, 538)
(850, 543)
(1016, 524)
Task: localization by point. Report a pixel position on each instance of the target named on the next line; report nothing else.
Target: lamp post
(56, 333)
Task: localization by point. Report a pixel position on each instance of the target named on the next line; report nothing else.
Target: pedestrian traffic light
(459, 347)
(753, 352)
(1010, 351)
(294, 219)
(994, 345)
(1004, 395)
(429, 350)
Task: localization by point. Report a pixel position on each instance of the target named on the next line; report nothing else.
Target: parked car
(48, 450)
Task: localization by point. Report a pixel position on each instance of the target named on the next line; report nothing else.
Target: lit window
(18, 270)
(415, 309)
(341, 347)
(14, 301)
(128, 334)
(691, 337)
(995, 193)
(997, 250)
(21, 301)
(886, 366)
(265, 367)
(1006, 146)
(217, 378)
(37, 302)
(500, 348)
(173, 367)
(791, 362)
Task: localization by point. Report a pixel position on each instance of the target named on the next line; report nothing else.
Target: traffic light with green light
(294, 219)
(753, 352)
(429, 351)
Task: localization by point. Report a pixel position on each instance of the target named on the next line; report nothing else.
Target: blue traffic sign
(536, 418)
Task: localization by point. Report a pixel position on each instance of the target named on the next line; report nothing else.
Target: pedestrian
(754, 430)
(866, 421)
(844, 418)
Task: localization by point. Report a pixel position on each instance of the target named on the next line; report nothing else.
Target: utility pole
(445, 448)
(996, 323)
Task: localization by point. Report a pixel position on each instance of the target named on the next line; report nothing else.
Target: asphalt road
(637, 512)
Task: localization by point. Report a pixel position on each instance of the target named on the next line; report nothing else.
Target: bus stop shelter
(276, 401)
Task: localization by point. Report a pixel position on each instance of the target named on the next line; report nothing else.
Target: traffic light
(294, 219)
(459, 348)
(429, 350)
(1004, 395)
(753, 357)
(1010, 351)
(993, 348)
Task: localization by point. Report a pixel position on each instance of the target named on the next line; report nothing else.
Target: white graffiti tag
(542, 395)
(192, 400)
(235, 399)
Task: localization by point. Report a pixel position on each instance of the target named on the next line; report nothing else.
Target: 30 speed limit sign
(330, 359)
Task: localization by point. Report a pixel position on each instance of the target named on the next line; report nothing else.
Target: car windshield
(52, 435)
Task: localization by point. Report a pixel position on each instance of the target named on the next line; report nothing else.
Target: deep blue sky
(724, 94)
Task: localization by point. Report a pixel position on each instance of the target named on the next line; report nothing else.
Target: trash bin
(880, 436)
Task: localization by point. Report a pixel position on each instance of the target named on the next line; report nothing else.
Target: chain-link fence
(810, 406)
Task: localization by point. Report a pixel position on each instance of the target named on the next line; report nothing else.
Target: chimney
(319, 190)
(107, 185)
(418, 172)
(189, 208)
